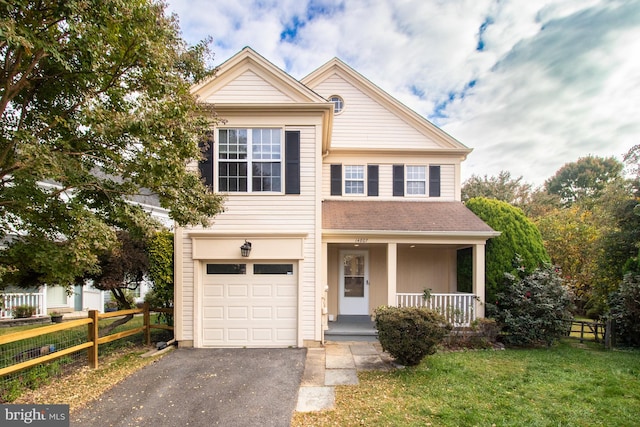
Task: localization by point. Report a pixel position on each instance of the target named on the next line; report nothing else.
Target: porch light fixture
(245, 249)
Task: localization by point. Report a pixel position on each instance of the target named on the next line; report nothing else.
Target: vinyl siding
(385, 177)
(187, 289)
(365, 123)
(264, 213)
(248, 87)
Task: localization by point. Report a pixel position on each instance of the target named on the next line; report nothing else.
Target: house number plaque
(362, 240)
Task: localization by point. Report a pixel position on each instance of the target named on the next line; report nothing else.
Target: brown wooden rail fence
(600, 332)
(93, 340)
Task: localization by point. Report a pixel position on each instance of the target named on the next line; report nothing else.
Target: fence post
(607, 335)
(93, 336)
(147, 324)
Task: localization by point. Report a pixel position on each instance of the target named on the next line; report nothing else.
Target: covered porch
(403, 254)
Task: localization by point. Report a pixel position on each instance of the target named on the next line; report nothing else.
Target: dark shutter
(434, 181)
(336, 180)
(206, 165)
(372, 180)
(292, 162)
(398, 180)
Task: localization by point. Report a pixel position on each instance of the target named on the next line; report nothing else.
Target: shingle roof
(402, 216)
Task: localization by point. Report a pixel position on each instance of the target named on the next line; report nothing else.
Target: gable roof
(435, 218)
(420, 123)
(248, 60)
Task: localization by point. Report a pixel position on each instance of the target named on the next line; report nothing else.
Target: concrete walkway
(337, 363)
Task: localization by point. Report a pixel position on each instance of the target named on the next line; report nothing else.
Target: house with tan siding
(339, 199)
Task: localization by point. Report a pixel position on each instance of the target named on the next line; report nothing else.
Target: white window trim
(334, 106)
(425, 181)
(248, 160)
(364, 181)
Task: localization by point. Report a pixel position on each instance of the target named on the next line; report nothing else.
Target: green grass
(566, 385)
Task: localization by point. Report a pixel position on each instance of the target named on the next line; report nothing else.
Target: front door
(354, 283)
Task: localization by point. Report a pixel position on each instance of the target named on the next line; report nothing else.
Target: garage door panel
(258, 291)
(238, 335)
(214, 334)
(234, 291)
(262, 334)
(249, 309)
(214, 313)
(262, 313)
(286, 313)
(288, 290)
(213, 290)
(237, 313)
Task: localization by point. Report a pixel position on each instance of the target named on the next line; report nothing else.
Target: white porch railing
(458, 309)
(11, 300)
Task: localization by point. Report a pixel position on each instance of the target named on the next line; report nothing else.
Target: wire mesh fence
(45, 344)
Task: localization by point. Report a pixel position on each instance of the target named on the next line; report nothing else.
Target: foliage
(95, 110)
(519, 236)
(571, 237)
(584, 180)
(501, 187)
(122, 269)
(409, 334)
(624, 306)
(541, 203)
(532, 309)
(23, 311)
(160, 252)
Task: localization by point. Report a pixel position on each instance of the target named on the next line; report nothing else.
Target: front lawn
(570, 384)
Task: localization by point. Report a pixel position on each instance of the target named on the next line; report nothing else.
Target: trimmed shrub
(409, 334)
(520, 236)
(533, 309)
(23, 311)
(624, 307)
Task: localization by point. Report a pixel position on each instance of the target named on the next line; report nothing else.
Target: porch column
(478, 278)
(392, 270)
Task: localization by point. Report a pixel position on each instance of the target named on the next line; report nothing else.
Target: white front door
(354, 282)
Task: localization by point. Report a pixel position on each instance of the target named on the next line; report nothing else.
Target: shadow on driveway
(204, 387)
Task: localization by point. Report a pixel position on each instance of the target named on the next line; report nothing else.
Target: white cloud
(529, 86)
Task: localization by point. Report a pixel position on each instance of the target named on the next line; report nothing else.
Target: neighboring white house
(349, 200)
(47, 299)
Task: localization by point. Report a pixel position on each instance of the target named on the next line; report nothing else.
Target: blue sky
(529, 85)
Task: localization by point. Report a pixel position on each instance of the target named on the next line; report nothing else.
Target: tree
(572, 238)
(123, 268)
(584, 180)
(501, 187)
(519, 236)
(95, 109)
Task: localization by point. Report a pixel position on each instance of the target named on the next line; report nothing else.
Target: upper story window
(354, 179)
(338, 103)
(416, 180)
(250, 160)
(413, 180)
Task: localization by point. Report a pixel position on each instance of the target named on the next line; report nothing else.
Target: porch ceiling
(437, 217)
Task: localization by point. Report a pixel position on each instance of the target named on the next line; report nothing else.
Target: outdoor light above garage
(245, 249)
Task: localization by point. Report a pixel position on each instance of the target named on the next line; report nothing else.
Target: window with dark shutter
(206, 164)
(398, 180)
(336, 180)
(372, 180)
(434, 181)
(292, 162)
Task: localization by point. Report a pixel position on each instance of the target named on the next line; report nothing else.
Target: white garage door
(250, 304)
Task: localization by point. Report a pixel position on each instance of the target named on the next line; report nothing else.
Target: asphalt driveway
(204, 387)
